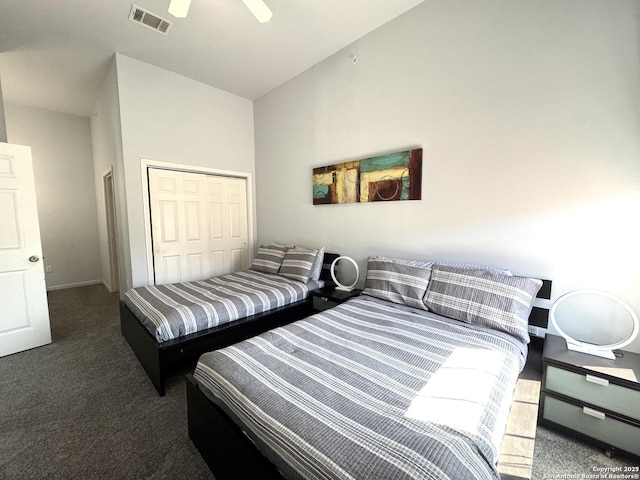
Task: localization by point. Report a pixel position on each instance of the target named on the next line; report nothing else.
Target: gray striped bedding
(177, 309)
(370, 390)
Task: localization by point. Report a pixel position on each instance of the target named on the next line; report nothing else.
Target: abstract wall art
(383, 178)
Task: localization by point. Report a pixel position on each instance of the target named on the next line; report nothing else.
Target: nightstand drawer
(593, 423)
(323, 303)
(594, 390)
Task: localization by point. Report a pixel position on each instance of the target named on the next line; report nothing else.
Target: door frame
(146, 164)
(111, 218)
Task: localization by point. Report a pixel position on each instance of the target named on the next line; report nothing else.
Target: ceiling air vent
(140, 15)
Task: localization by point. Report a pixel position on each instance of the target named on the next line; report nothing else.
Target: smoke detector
(151, 20)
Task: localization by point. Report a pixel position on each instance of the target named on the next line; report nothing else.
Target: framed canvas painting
(383, 178)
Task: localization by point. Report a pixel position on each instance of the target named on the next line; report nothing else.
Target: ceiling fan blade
(259, 9)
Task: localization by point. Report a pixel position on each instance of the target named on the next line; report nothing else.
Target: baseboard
(72, 285)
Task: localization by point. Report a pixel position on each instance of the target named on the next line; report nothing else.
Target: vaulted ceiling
(54, 54)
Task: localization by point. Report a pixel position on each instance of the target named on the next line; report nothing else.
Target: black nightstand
(594, 398)
(329, 297)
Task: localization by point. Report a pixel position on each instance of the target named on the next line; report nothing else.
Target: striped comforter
(177, 309)
(370, 390)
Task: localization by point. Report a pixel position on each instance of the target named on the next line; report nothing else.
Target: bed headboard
(325, 274)
(539, 317)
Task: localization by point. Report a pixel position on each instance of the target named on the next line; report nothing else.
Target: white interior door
(24, 313)
(199, 225)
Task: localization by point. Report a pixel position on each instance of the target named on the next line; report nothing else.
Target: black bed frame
(158, 357)
(224, 447)
(229, 453)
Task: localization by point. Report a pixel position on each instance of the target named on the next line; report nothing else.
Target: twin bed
(412, 380)
(168, 325)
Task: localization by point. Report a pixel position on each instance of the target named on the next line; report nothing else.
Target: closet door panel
(199, 225)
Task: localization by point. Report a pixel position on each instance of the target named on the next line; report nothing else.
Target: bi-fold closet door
(199, 225)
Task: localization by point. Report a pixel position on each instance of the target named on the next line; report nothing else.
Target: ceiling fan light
(259, 9)
(179, 8)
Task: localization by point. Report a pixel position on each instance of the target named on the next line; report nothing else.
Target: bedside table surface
(626, 368)
(333, 294)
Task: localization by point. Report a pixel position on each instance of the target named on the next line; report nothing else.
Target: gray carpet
(558, 456)
(83, 408)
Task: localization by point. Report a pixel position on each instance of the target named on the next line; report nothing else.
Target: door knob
(34, 258)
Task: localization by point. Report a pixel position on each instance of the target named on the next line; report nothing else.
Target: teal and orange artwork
(383, 178)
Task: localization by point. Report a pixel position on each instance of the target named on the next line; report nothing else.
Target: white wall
(107, 155)
(63, 169)
(170, 118)
(529, 117)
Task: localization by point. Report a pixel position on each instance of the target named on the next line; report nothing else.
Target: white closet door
(228, 230)
(198, 225)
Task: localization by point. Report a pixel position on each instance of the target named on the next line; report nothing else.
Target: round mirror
(594, 322)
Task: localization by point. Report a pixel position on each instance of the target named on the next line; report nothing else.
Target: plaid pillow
(482, 297)
(269, 258)
(298, 263)
(397, 281)
(471, 266)
(316, 270)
